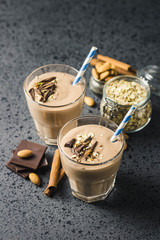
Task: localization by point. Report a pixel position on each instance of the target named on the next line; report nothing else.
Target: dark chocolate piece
(89, 151)
(44, 88)
(45, 82)
(39, 92)
(47, 95)
(88, 140)
(82, 149)
(48, 80)
(78, 149)
(32, 93)
(70, 143)
(33, 161)
(13, 168)
(43, 164)
(47, 85)
(93, 146)
(83, 145)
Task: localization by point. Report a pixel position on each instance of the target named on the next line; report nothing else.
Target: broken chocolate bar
(43, 164)
(32, 92)
(89, 151)
(82, 148)
(13, 168)
(33, 161)
(70, 143)
(44, 88)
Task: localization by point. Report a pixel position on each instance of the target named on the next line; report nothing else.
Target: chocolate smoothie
(63, 93)
(52, 101)
(91, 160)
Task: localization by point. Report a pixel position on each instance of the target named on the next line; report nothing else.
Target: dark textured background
(35, 33)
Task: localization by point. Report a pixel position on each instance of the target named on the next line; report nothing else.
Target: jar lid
(151, 74)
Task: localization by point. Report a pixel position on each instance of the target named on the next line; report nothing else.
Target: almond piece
(103, 67)
(89, 101)
(24, 153)
(94, 61)
(95, 73)
(34, 178)
(104, 75)
(115, 72)
(98, 65)
(126, 136)
(113, 67)
(112, 71)
(125, 145)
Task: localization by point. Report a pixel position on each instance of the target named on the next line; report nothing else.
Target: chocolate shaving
(47, 95)
(90, 150)
(70, 143)
(44, 88)
(45, 81)
(88, 139)
(39, 92)
(93, 146)
(82, 150)
(49, 79)
(79, 150)
(32, 93)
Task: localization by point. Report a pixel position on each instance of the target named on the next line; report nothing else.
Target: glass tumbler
(50, 119)
(90, 182)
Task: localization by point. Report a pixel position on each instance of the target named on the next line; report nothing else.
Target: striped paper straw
(123, 123)
(85, 65)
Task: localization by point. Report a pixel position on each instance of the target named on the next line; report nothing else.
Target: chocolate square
(12, 167)
(43, 164)
(34, 160)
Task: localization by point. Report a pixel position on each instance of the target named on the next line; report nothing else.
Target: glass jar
(151, 74)
(114, 111)
(96, 85)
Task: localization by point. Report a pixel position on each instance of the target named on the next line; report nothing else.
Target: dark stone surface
(35, 33)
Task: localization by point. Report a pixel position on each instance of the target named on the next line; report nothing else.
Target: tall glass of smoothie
(89, 158)
(52, 99)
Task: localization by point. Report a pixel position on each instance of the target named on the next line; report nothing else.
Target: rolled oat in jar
(119, 94)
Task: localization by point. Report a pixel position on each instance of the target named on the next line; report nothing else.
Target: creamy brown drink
(63, 92)
(53, 100)
(90, 160)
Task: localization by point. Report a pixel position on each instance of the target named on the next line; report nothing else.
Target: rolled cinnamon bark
(123, 72)
(115, 62)
(61, 174)
(55, 174)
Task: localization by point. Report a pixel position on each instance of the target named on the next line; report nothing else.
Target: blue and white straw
(85, 65)
(123, 123)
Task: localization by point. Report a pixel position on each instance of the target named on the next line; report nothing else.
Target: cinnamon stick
(115, 62)
(55, 174)
(61, 174)
(123, 72)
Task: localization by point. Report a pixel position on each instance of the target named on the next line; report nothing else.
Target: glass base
(90, 199)
(48, 141)
(138, 129)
